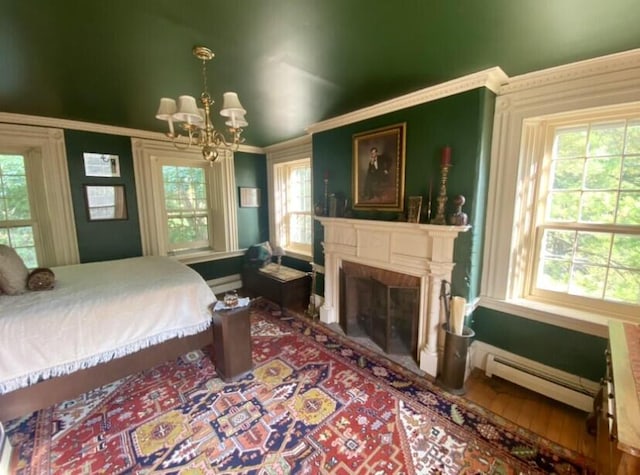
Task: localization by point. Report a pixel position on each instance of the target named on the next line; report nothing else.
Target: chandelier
(196, 122)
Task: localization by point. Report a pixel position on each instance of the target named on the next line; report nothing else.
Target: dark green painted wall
(106, 240)
(103, 240)
(571, 351)
(253, 223)
(463, 122)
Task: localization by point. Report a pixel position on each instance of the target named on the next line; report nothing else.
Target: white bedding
(96, 312)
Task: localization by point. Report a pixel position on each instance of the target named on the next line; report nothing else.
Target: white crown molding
(302, 141)
(51, 122)
(578, 70)
(492, 79)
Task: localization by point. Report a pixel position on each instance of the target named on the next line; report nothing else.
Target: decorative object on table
(197, 123)
(278, 252)
(415, 206)
(231, 299)
(325, 210)
(337, 204)
(378, 169)
(258, 255)
(428, 217)
(458, 218)
(445, 164)
(239, 302)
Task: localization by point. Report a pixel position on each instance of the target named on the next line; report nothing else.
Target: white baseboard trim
(565, 387)
(226, 283)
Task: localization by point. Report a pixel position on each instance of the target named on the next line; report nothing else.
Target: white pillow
(13, 272)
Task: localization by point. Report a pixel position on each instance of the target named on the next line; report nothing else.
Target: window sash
(581, 289)
(196, 209)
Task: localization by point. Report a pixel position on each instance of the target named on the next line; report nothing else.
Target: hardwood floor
(547, 417)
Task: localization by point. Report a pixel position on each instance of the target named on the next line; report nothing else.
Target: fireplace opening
(382, 306)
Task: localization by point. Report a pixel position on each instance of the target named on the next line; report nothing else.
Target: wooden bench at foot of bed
(62, 388)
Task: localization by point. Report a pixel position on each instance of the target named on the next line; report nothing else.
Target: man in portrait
(377, 175)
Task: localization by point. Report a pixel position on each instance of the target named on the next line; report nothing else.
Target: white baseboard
(226, 283)
(568, 388)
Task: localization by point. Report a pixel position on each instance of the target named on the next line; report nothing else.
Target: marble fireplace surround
(421, 250)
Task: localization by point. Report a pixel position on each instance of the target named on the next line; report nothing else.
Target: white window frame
(49, 190)
(602, 84)
(286, 153)
(148, 158)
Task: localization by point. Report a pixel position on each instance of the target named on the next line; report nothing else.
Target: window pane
(301, 228)
(588, 281)
(623, 286)
(571, 142)
(593, 248)
(633, 137)
(187, 206)
(631, 174)
(563, 206)
(629, 209)
(567, 174)
(14, 196)
(603, 173)
(626, 251)
(606, 139)
(598, 207)
(558, 244)
(554, 275)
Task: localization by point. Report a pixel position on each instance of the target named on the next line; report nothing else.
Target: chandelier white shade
(196, 122)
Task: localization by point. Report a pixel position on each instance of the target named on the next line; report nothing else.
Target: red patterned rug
(314, 403)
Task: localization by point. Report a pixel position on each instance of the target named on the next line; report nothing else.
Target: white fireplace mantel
(422, 250)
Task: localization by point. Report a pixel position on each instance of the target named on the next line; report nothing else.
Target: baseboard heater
(537, 380)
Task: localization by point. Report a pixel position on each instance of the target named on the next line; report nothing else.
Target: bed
(101, 321)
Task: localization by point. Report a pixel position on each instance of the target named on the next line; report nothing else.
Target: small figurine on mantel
(458, 218)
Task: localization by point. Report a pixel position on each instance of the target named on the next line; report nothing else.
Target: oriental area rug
(314, 403)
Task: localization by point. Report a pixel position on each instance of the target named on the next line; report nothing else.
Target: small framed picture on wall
(249, 197)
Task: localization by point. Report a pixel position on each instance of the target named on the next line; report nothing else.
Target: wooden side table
(232, 342)
(284, 286)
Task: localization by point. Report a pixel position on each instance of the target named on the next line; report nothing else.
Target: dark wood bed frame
(51, 391)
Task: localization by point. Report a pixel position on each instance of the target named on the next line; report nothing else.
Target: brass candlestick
(442, 197)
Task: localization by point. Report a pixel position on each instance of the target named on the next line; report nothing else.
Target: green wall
(570, 351)
(463, 122)
(253, 223)
(103, 240)
(107, 240)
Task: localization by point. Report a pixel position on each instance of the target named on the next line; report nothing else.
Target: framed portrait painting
(378, 168)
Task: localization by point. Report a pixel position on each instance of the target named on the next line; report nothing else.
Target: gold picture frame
(378, 182)
(415, 207)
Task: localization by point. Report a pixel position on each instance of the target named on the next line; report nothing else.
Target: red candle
(445, 160)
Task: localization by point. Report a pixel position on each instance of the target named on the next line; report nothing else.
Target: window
(16, 223)
(188, 207)
(562, 204)
(290, 197)
(587, 230)
(293, 206)
(36, 213)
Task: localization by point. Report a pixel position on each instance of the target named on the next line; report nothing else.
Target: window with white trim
(587, 222)
(36, 212)
(188, 206)
(293, 207)
(16, 220)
